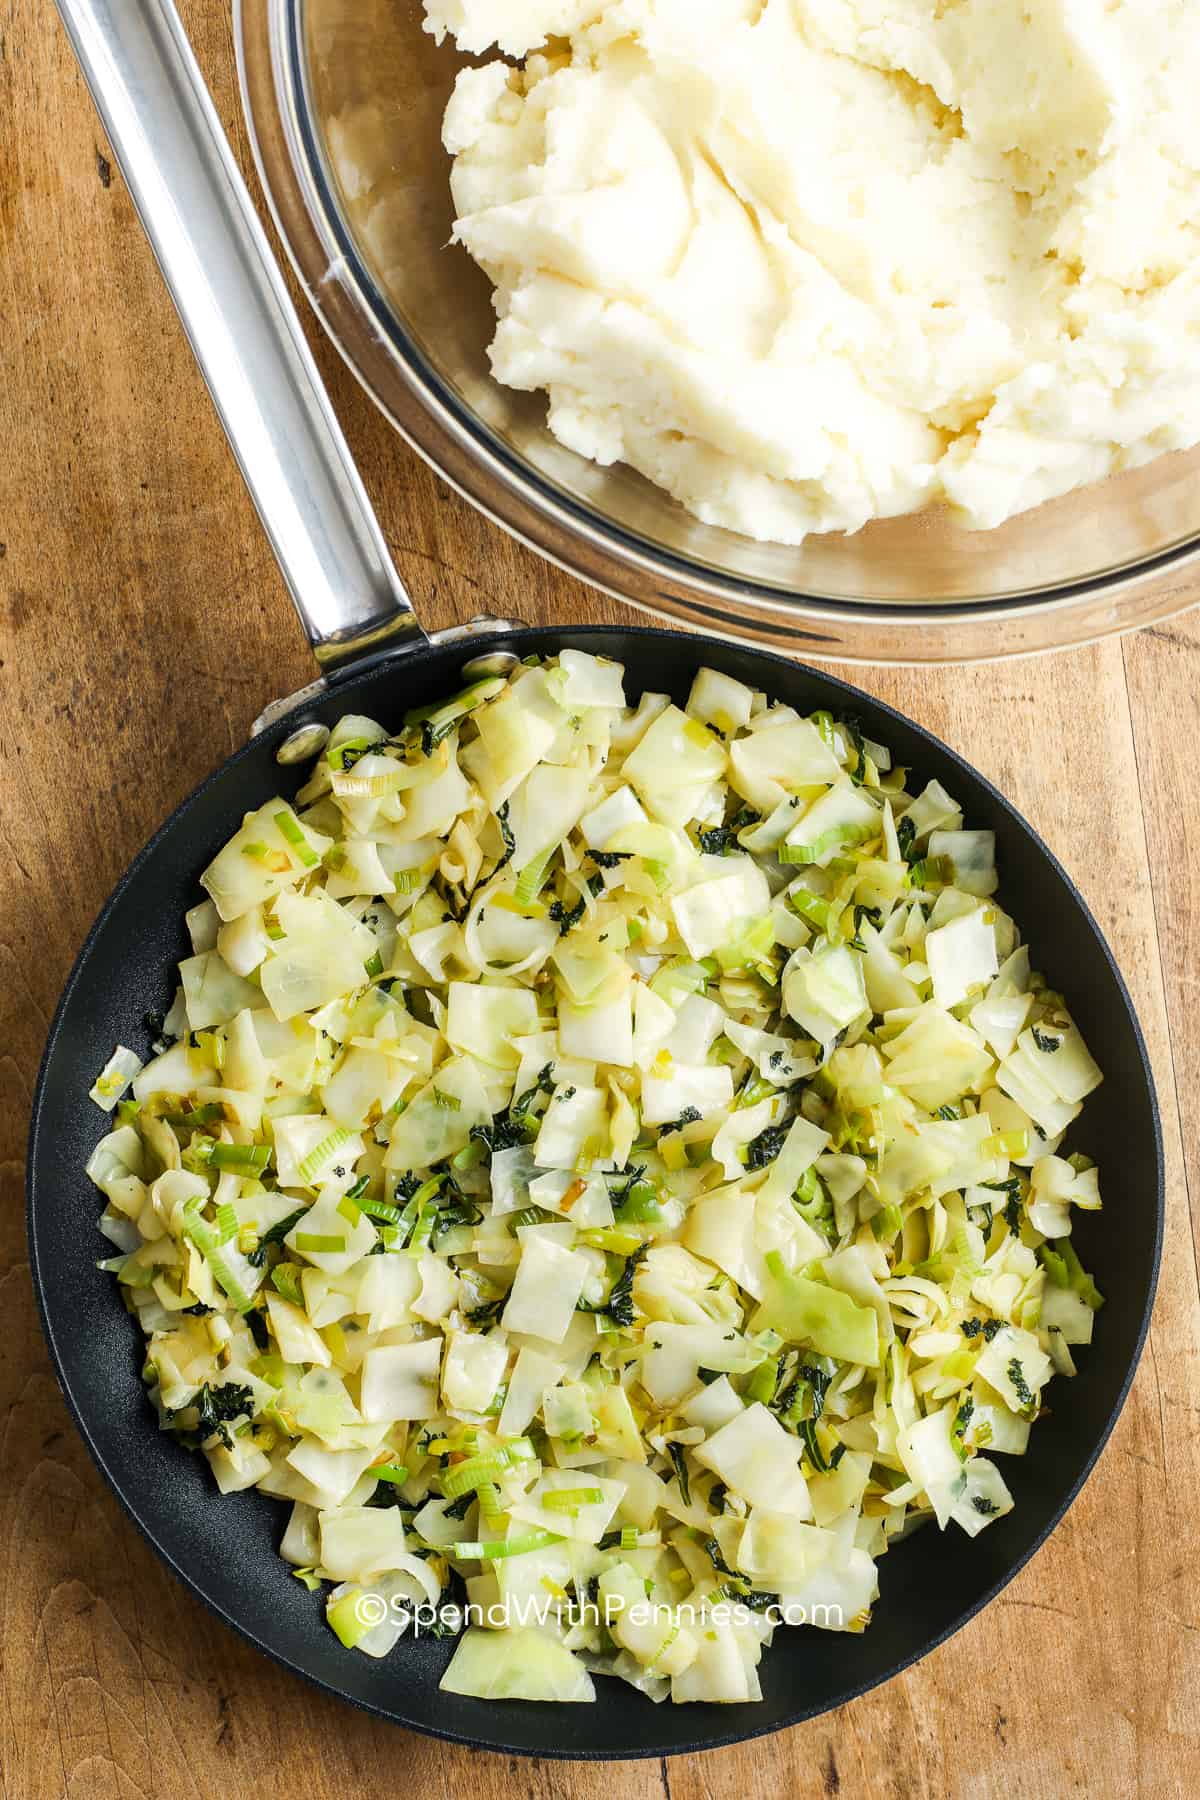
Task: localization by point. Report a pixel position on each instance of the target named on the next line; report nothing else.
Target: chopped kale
(1046, 1042)
(958, 1430)
(906, 833)
(799, 1406)
(619, 1304)
(812, 1444)
(446, 1623)
(517, 1125)
(737, 1587)
(628, 1177)
(620, 1300)
(432, 735)
(386, 1494)
(1012, 1205)
(718, 1561)
(984, 1219)
(819, 1381)
(983, 1505)
(679, 1460)
(216, 1406)
(1021, 1387)
(722, 839)
(717, 841)
(757, 1599)
(853, 730)
(872, 915)
(275, 1235)
(458, 1211)
(348, 754)
(488, 1313)
(971, 1328)
(689, 1116)
(506, 832)
(766, 1146)
(567, 918)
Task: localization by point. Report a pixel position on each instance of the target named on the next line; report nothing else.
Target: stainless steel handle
(242, 326)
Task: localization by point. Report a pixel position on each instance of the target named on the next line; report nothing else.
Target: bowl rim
(302, 197)
(125, 1488)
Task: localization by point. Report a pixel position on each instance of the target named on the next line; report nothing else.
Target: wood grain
(142, 626)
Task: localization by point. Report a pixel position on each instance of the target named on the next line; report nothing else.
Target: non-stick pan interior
(225, 1549)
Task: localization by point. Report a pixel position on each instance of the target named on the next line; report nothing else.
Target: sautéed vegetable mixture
(603, 1167)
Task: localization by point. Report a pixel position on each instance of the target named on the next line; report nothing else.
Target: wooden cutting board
(142, 626)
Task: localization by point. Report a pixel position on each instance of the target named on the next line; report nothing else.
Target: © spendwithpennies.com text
(447, 1617)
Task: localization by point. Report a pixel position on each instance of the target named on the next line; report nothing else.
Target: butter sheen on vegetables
(611, 1155)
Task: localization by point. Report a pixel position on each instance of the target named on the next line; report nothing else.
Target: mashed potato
(805, 263)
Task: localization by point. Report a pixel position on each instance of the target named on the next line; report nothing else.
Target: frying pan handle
(242, 326)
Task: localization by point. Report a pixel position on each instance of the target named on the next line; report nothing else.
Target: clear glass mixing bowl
(344, 100)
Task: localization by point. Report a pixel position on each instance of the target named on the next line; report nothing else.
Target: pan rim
(447, 654)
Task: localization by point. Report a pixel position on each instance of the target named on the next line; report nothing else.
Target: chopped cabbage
(612, 1154)
(114, 1078)
(518, 1663)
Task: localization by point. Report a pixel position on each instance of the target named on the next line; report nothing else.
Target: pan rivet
(496, 662)
(302, 743)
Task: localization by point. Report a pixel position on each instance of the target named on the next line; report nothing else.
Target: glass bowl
(344, 100)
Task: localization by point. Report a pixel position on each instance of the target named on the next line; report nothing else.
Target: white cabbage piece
(550, 1281)
(843, 815)
(825, 990)
(400, 1381)
(473, 1369)
(709, 914)
(601, 1031)
(936, 1058)
(272, 851)
(483, 1019)
(720, 700)
(515, 1663)
(358, 1541)
(775, 759)
(574, 1121)
(114, 1079)
(961, 957)
(322, 955)
(972, 856)
(755, 1457)
(704, 1086)
(439, 1119)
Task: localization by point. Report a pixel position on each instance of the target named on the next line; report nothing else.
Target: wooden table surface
(142, 626)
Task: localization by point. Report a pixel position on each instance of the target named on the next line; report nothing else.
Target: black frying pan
(225, 1548)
